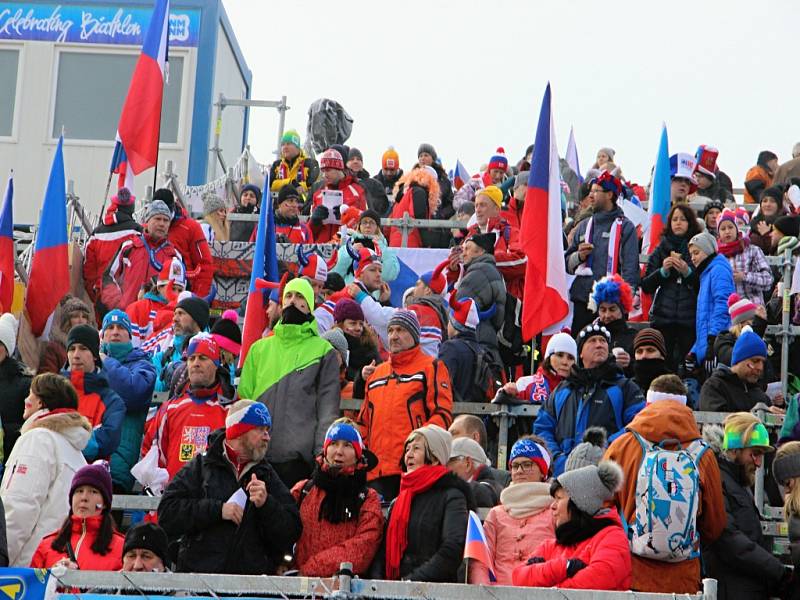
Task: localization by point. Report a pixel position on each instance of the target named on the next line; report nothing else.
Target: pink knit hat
(740, 309)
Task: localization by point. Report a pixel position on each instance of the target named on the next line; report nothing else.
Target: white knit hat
(562, 342)
(8, 332)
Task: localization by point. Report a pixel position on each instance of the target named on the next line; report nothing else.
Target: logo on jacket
(193, 441)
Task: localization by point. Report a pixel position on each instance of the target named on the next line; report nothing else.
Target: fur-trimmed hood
(72, 425)
(424, 179)
(712, 435)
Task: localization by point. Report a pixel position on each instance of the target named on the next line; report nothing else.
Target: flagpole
(158, 145)
(105, 199)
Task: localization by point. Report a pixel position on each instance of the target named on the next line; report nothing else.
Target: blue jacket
(716, 284)
(600, 397)
(389, 261)
(133, 378)
(166, 362)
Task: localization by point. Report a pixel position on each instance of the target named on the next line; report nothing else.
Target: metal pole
(785, 335)
(218, 131)
(405, 226)
(282, 108)
(504, 422)
(105, 198)
(758, 488)
(345, 576)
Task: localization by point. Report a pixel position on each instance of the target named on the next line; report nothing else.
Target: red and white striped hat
(740, 309)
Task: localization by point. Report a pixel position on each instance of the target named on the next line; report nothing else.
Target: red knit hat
(463, 313)
(740, 309)
(435, 279)
(331, 159)
(498, 161)
(366, 257)
(706, 158)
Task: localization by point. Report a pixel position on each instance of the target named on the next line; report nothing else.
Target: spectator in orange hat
(389, 175)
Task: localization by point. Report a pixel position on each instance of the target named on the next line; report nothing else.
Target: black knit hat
(355, 153)
(286, 192)
(227, 327)
(147, 536)
(87, 336)
(485, 241)
(775, 192)
(590, 331)
(788, 225)
(197, 309)
(370, 214)
(334, 282)
(166, 196)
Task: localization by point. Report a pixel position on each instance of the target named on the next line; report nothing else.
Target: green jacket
(296, 374)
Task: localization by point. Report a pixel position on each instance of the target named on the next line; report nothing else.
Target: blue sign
(23, 584)
(91, 24)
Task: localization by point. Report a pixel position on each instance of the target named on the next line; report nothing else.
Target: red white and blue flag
(476, 547)
(546, 295)
(119, 166)
(48, 281)
(460, 175)
(660, 195)
(7, 249)
(140, 121)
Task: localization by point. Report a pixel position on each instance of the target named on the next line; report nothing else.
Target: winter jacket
(37, 478)
(188, 238)
(437, 528)
(323, 545)
(104, 409)
(602, 222)
(291, 231)
(793, 523)
(360, 354)
(513, 212)
(388, 188)
(659, 421)
(353, 196)
(102, 246)
(167, 360)
(756, 180)
(716, 284)
(149, 316)
(301, 172)
(482, 282)
(485, 488)
(191, 507)
(296, 374)
(740, 559)
(408, 391)
(675, 296)
(757, 272)
(724, 391)
(460, 354)
(599, 397)
(622, 336)
(713, 192)
(376, 196)
(416, 202)
(606, 554)
(389, 262)
(243, 231)
(133, 378)
(787, 170)
(84, 533)
(15, 383)
(508, 254)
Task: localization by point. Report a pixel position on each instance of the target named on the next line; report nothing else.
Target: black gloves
(710, 361)
(319, 215)
(574, 565)
(690, 363)
(535, 560)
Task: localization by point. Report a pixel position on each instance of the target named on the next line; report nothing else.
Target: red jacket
(187, 236)
(512, 214)
(149, 316)
(297, 233)
(406, 205)
(98, 254)
(84, 532)
(508, 254)
(353, 195)
(607, 556)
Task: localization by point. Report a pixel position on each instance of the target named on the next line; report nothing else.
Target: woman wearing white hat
(560, 355)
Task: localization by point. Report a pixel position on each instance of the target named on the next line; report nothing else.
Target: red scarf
(411, 484)
(733, 248)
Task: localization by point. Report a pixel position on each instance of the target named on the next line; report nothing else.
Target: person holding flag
(7, 249)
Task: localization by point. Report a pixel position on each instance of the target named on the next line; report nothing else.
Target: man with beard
(649, 351)
(741, 559)
(596, 393)
(189, 318)
(233, 512)
(612, 300)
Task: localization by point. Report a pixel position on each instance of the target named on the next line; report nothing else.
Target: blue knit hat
(748, 345)
(118, 317)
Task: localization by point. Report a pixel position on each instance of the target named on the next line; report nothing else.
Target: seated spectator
(751, 272)
(612, 300)
(154, 311)
(70, 311)
(666, 417)
(590, 550)
(40, 468)
(353, 197)
(427, 526)
(741, 559)
(649, 354)
(469, 462)
(88, 539)
(786, 470)
(215, 224)
(590, 451)
(293, 166)
(341, 516)
(249, 203)
(145, 550)
(228, 506)
(181, 427)
(288, 228)
(759, 177)
(389, 175)
(744, 314)
(735, 388)
(362, 343)
(131, 375)
(15, 381)
(96, 400)
(420, 195)
(472, 427)
(190, 317)
(770, 209)
(522, 520)
(613, 400)
(559, 356)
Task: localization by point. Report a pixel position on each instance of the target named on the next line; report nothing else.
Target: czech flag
(7, 250)
(546, 299)
(48, 281)
(476, 547)
(140, 121)
(119, 165)
(460, 176)
(265, 272)
(660, 195)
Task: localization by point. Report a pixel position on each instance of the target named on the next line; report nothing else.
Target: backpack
(509, 338)
(482, 388)
(667, 492)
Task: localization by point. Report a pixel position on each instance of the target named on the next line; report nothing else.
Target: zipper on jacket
(80, 539)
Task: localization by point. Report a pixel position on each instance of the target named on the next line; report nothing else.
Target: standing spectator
(376, 198)
(427, 157)
(336, 180)
(189, 318)
(341, 516)
(145, 549)
(288, 228)
(751, 272)
(187, 236)
(559, 357)
(39, 471)
(154, 311)
(470, 463)
(219, 532)
(770, 209)
(741, 559)
(590, 550)
(522, 520)
(15, 381)
(705, 174)
(88, 534)
(716, 285)
(759, 177)
(249, 204)
(70, 311)
(513, 211)
(131, 375)
(388, 176)
(666, 417)
(612, 300)
(672, 280)
(735, 388)
(420, 199)
(408, 391)
(497, 168)
(428, 522)
(472, 427)
(615, 400)
(362, 342)
(683, 182)
(215, 225)
(293, 166)
(789, 169)
(590, 253)
(786, 469)
(649, 362)
(96, 400)
(295, 373)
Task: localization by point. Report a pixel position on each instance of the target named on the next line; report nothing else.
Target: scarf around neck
(526, 499)
(733, 248)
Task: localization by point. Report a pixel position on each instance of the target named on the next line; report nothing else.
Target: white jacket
(38, 475)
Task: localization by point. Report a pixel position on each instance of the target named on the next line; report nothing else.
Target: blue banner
(92, 24)
(23, 584)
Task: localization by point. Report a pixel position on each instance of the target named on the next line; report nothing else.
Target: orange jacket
(757, 173)
(408, 391)
(84, 532)
(659, 421)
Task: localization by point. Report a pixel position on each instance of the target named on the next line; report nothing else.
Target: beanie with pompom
(590, 451)
(227, 333)
(740, 309)
(591, 487)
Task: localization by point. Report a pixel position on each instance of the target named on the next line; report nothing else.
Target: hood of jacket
(608, 216)
(72, 425)
(666, 419)
(479, 260)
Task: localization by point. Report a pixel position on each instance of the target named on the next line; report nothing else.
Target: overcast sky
(468, 75)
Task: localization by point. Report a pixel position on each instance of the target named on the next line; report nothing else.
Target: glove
(319, 215)
(337, 212)
(535, 560)
(574, 565)
(710, 361)
(690, 363)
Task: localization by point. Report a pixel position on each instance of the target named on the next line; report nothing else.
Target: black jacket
(242, 230)
(459, 354)
(192, 508)
(15, 383)
(622, 336)
(740, 559)
(437, 529)
(361, 354)
(388, 189)
(377, 199)
(675, 301)
(725, 392)
(486, 489)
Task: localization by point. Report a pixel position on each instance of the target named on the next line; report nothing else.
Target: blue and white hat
(245, 415)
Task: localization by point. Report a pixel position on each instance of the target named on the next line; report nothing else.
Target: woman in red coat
(88, 539)
(342, 518)
(590, 551)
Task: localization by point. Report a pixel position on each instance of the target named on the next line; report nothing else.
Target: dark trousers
(679, 340)
(292, 471)
(581, 317)
(387, 487)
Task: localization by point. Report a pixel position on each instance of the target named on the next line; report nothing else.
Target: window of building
(91, 90)
(9, 65)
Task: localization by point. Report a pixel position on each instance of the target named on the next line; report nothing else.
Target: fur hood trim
(424, 179)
